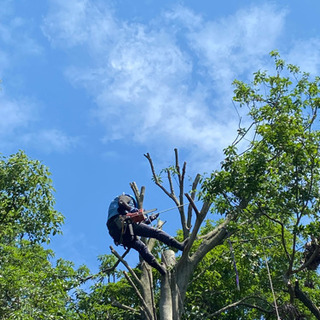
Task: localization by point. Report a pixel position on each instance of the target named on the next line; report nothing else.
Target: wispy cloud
(168, 81)
(50, 140)
(306, 54)
(19, 125)
(21, 117)
(16, 38)
(15, 114)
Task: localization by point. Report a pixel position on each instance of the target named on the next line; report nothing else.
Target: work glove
(154, 216)
(151, 218)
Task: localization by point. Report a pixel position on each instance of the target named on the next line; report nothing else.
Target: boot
(178, 245)
(160, 267)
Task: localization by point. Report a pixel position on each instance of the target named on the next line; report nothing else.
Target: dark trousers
(142, 230)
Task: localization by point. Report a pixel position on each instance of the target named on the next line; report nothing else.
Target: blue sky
(89, 86)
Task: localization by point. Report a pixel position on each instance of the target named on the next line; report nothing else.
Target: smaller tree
(30, 286)
(27, 201)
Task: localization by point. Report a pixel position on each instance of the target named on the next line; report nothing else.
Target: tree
(267, 195)
(30, 286)
(278, 177)
(27, 202)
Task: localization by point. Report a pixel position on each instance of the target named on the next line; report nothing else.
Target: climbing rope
(234, 265)
(271, 286)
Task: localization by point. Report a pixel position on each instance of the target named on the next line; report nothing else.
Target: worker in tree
(126, 222)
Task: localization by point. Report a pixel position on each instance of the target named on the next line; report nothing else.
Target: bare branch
(193, 205)
(192, 195)
(236, 304)
(171, 193)
(141, 197)
(117, 304)
(127, 266)
(200, 217)
(170, 183)
(156, 180)
(147, 311)
(177, 160)
(181, 182)
(106, 270)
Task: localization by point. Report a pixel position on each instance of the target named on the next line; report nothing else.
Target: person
(126, 230)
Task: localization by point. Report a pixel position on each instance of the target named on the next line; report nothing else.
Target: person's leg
(145, 230)
(146, 255)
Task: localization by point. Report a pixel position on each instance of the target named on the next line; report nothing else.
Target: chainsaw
(140, 215)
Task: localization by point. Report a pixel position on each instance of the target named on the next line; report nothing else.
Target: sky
(88, 87)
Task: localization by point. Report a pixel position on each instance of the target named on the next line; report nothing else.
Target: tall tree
(267, 195)
(277, 177)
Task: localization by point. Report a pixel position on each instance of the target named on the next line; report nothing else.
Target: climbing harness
(141, 215)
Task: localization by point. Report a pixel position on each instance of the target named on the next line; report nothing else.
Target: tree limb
(127, 266)
(236, 304)
(157, 181)
(171, 193)
(282, 232)
(117, 304)
(306, 300)
(106, 270)
(192, 195)
(147, 311)
(194, 207)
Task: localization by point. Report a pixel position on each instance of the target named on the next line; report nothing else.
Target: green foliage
(103, 300)
(272, 185)
(30, 286)
(270, 188)
(26, 200)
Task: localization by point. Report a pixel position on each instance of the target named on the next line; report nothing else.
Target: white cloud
(50, 140)
(306, 55)
(15, 38)
(15, 114)
(20, 117)
(167, 82)
(19, 125)
(78, 22)
(237, 45)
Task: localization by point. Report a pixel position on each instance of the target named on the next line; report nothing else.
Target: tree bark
(167, 299)
(306, 300)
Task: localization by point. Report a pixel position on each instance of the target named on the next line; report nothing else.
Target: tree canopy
(253, 250)
(259, 259)
(31, 286)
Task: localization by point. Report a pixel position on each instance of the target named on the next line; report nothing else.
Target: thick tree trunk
(167, 299)
(173, 287)
(147, 291)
